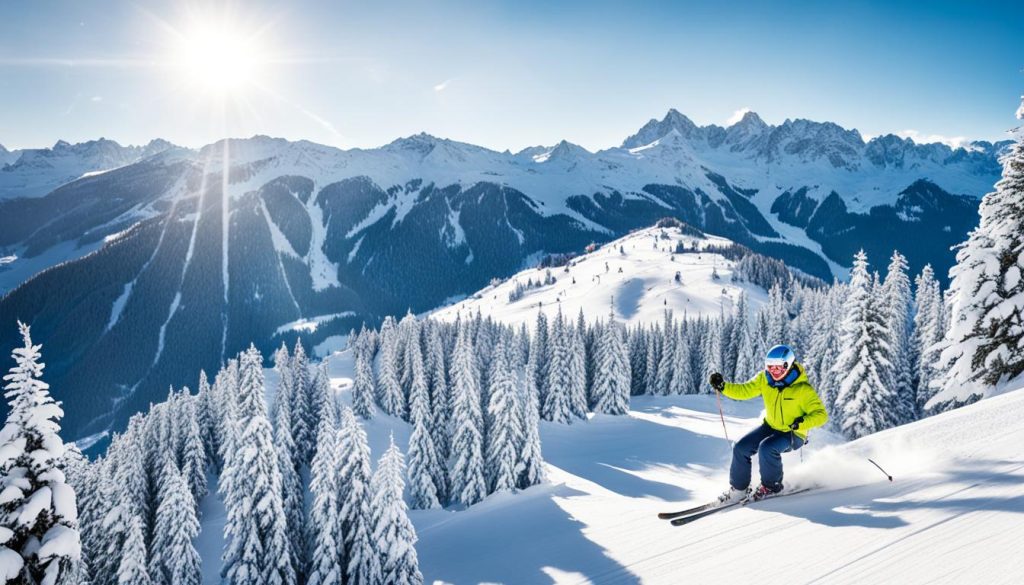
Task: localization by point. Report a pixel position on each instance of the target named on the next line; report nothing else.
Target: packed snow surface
(633, 277)
(951, 515)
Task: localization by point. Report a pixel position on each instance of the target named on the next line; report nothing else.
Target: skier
(792, 407)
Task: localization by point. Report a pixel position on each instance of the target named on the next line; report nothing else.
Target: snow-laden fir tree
(984, 344)
(424, 463)
(193, 454)
(364, 388)
(653, 359)
(898, 310)
(393, 533)
(505, 433)
(304, 416)
(132, 569)
(359, 554)
(637, 351)
(129, 479)
(38, 513)
(540, 333)
(326, 540)
(389, 388)
(283, 368)
(929, 329)
(612, 371)
(530, 463)
(291, 482)
(466, 467)
(711, 353)
(682, 381)
(206, 417)
(778, 316)
(440, 405)
(177, 562)
(256, 529)
(557, 405)
(577, 372)
(667, 369)
(864, 399)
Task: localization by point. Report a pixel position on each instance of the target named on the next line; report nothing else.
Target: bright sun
(218, 59)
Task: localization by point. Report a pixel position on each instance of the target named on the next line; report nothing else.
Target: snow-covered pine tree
(530, 463)
(557, 405)
(711, 353)
(864, 398)
(206, 418)
(667, 369)
(505, 433)
(38, 513)
(577, 372)
(390, 397)
(929, 329)
(360, 559)
(424, 464)
(291, 483)
(176, 559)
(540, 333)
(440, 405)
(466, 468)
(256, 528)
(304, 418)
(984, 344)
(284, 392)
(364, 387)
(193, 455)
(612, 371)
(653, 359)
(132, 568)
(126, 487)
(778, 316)
(637, 349)
(898, 313)
(325, 527)
(392, 530)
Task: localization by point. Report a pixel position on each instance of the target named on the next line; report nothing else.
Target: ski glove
(717, 382)
(796, 423)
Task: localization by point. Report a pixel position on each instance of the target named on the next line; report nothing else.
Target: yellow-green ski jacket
(783, 405)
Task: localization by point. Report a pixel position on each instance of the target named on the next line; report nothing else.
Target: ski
(680, 521)
(688, 511)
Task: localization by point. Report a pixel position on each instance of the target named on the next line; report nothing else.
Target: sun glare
(218, 59)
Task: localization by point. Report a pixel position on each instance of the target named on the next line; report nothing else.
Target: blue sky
(506, 74)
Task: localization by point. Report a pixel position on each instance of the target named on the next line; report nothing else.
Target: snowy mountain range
(35, 172)
(174, 258)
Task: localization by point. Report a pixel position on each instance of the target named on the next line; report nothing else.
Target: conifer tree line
(869, 346)
(140, 501)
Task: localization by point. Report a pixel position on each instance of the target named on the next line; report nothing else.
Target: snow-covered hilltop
(635, 278)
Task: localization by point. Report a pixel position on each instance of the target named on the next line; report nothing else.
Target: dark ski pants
(771, 444)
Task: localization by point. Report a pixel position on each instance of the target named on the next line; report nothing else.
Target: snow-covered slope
(633, 277)
(952, 515)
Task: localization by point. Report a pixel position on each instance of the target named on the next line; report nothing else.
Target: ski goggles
(777, 371)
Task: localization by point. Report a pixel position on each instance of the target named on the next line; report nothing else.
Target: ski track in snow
(281, 245)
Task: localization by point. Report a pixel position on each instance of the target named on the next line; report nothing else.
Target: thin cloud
(921, 138)
(737, 116)
(96, 98)
(443, 85)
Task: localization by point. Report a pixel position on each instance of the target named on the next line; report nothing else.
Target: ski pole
(718, 396)
(880, 468)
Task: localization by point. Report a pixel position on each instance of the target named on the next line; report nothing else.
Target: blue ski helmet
(780, 356)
